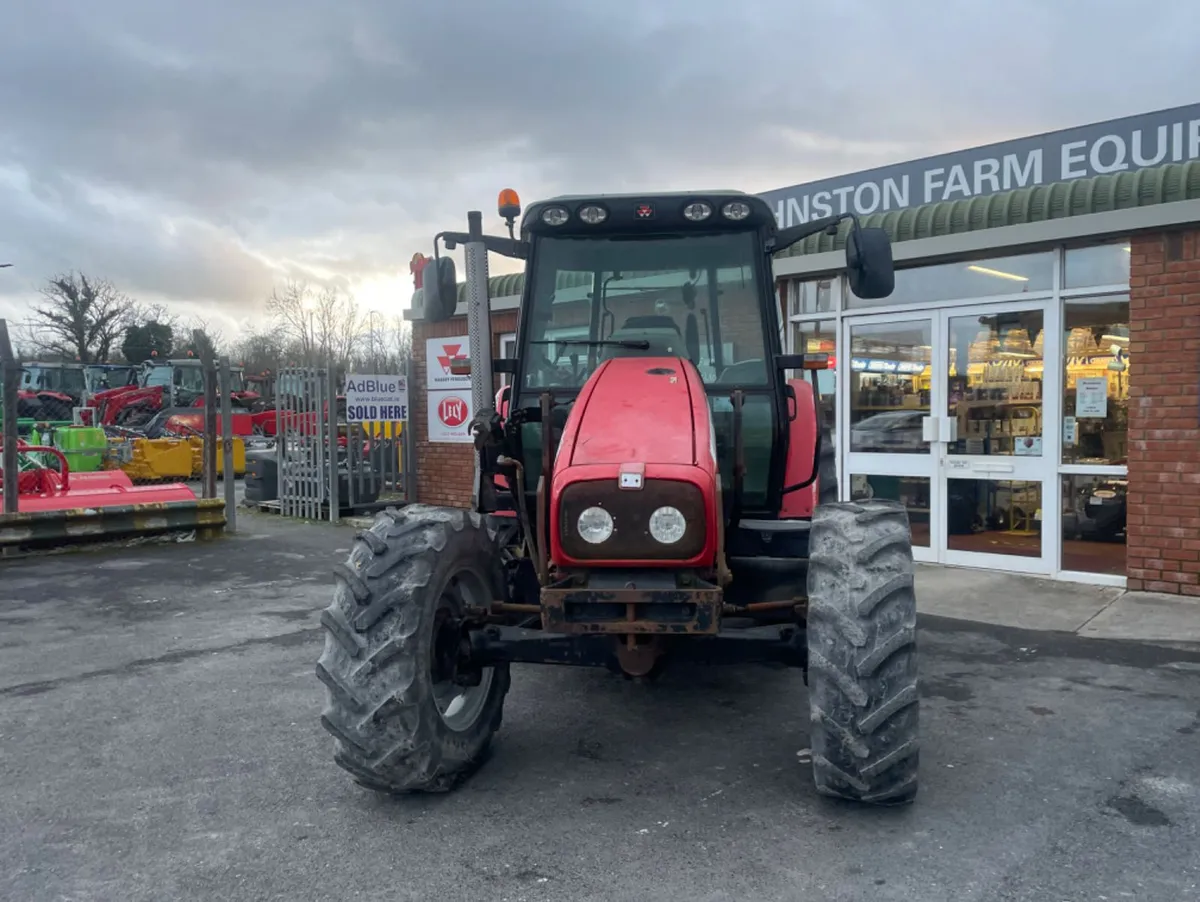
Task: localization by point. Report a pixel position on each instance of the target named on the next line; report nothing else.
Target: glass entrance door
(887, 410)
(994, 454)
(944, 412)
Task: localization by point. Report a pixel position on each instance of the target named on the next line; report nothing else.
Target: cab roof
(627, 213)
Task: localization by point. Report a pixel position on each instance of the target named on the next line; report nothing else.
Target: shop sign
(448, 394)
(375, 399)
(439, 352)
(1091, 397)
(1119, 145)
(450, 416)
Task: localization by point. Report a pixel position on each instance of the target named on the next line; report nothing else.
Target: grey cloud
(342, 134)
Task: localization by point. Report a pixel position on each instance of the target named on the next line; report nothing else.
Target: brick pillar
(1164, 414)
(444, 470)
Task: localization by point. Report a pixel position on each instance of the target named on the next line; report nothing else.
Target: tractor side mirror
(869, 263)
(440, 290)
(505, 366)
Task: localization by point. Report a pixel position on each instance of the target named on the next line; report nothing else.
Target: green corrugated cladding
(1102, 194)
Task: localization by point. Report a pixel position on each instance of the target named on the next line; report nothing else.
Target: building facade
(1030, 391)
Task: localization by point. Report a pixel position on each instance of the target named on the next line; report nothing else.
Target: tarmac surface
(159, 739)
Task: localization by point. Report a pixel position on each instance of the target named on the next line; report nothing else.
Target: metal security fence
(317, 464)
(64, 457)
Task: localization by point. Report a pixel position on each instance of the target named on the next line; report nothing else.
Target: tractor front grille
(631, 510)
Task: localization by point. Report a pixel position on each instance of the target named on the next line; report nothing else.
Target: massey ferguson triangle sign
(1119, 145)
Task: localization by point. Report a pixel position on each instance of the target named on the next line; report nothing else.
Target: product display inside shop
(996, 397)
(1095, 423)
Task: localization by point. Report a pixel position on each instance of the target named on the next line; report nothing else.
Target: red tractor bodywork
(665, 433)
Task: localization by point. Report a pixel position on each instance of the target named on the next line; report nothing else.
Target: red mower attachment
(42, 488)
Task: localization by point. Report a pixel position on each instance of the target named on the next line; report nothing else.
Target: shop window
(508, 350)
(994, 517)
(911, 491)
(890, 373)
(1028, 273)
(1101, 264)
(819, 338)
(1093, 524)
(995, 383)
(813, 297)
(1096, 381)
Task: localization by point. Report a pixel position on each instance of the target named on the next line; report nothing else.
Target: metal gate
(303, 441)
(328, 467)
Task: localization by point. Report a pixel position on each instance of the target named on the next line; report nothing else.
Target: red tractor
(167, 384)
(656, 488)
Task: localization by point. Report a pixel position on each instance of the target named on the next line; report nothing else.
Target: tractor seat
(651, 322)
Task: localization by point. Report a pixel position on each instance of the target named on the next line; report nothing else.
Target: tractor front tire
(862, 653)
(400, 721)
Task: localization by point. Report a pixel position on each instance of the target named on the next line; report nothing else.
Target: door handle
(929, 429)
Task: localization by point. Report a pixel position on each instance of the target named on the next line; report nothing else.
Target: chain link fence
(168, 423)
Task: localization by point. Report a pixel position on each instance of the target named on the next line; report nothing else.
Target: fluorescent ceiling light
(1127, 249)
(998, 273)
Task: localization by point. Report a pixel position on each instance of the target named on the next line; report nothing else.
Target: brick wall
(444, 470)
(1164, 414)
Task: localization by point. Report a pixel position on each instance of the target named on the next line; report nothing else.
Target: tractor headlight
(593, 214)
(555, 216)
(736, 210)
(697, 211)
(667, 525)
(595, 525)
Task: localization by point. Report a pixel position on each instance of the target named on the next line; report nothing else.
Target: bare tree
(290, 307)
(316, 325)
(80, 317)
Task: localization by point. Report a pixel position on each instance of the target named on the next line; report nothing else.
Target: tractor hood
(636, 410)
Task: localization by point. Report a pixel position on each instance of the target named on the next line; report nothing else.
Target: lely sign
(375, 399)
(1119, 145)
(448, 395)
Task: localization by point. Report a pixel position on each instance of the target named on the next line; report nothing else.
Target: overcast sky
(198, 152)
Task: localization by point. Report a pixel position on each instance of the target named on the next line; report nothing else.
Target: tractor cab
(66, 379)
(682, 276)
(103, 377)
(183, 379)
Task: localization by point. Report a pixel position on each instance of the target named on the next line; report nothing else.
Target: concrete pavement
(159, 740)
(1007, 599)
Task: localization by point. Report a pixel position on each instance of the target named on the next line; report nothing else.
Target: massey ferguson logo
(449, 352)
(452, 411)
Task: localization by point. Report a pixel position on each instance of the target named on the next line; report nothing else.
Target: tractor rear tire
(399, 720)
(862, 653)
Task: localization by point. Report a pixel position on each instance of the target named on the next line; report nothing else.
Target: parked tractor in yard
(655, 488)
(166, 384)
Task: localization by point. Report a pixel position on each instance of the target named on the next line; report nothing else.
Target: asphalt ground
(159, 739)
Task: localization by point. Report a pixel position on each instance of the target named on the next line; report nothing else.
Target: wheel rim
(460, 706)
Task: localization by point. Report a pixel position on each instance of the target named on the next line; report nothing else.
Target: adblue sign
(373, 399)
(1119, 145)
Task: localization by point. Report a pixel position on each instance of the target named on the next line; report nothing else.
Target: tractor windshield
(595, 298)
(68, 380)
